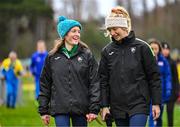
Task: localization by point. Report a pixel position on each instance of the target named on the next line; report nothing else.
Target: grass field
(26, 114)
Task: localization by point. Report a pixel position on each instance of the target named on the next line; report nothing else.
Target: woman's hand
(46, 119)
(104, 111)
(155, 111)
(91, 116)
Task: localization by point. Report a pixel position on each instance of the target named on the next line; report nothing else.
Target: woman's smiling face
(73, 36)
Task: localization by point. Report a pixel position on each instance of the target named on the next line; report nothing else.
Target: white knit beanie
(118, 17)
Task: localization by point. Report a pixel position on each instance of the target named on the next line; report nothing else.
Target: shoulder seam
(147, 45)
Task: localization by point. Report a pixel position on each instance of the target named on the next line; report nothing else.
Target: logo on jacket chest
(111, 53)
(58, 57)
(79, 59)
(38, 59)
(160, 63)
(133, 49)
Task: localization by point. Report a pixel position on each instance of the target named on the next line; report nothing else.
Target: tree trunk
(40, 29)
(119, 2)
(145, 16)
(93, 12)
(130, 7)
(155, 11)
(13, 33)
(76, 9)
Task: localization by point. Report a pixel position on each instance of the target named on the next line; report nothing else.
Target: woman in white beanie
(129, 76)
(69, 85)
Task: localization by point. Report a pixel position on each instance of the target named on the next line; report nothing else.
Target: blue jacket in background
(37, 62)
(165, 77)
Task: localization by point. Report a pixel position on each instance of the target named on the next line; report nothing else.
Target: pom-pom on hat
(64, 25)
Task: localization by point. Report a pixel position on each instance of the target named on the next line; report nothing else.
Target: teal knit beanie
(64, 25)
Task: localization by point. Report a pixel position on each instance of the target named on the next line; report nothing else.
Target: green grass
(176, 116)
(25, 114)
(27, 80)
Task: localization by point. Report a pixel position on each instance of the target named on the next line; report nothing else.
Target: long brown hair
(59, 42)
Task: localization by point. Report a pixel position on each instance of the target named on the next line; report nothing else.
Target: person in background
(166, 83)
(175, 83)
(2, 89)
(37, 62)
(129, 76)
(69, 83)
(178, 70)
(11, 69)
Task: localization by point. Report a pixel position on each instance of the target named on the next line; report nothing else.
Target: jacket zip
(69, 83)
(122, 58)
(122, 61)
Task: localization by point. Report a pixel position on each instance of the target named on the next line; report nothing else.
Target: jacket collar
(78, 50)
(70, 53)
(128, 39)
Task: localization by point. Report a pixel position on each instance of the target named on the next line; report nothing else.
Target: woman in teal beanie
(69, 85)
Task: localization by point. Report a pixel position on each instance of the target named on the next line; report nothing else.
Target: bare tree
(65, 7)
(13, 33)
(129, 7)
(120, 2)
(92, 11)
(40, 28)
(155, 4)
(156, 11)
(145, 15)
(145, 9)
(167, 2)
(176, 1)
(77, 9)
